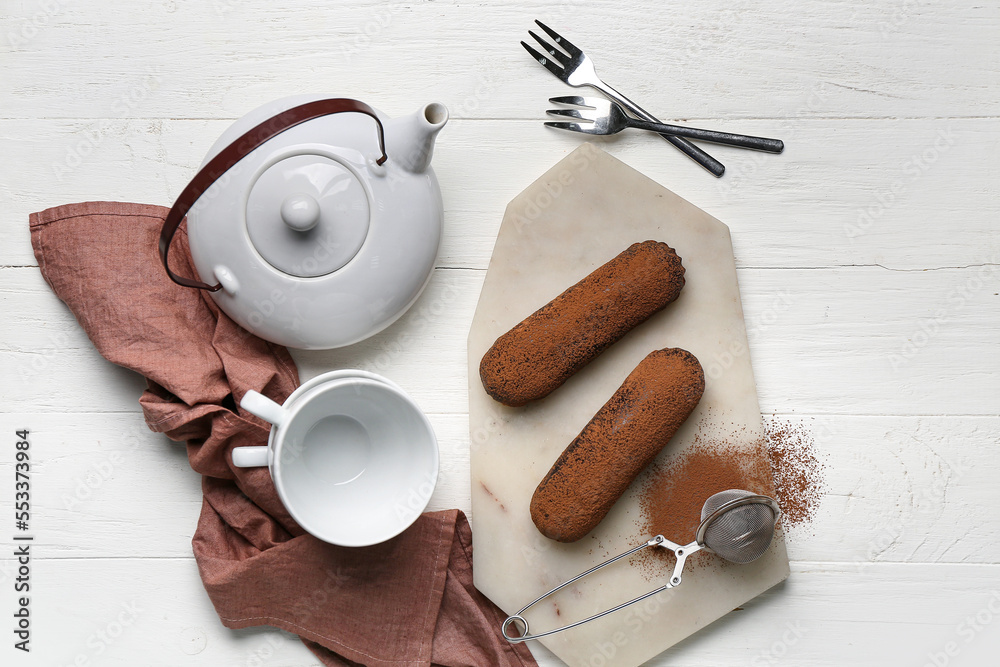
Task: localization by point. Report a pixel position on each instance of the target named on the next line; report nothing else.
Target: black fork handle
(701, 157)
(715, 167)
(727, 138)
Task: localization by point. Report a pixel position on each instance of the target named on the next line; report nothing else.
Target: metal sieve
(736, 525)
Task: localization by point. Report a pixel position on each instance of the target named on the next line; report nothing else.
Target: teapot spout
(410, 139)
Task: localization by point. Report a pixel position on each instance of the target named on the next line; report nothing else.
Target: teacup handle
(257, 404)
(250, 457)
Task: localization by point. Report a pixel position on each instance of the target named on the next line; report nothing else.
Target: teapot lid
(307, 215)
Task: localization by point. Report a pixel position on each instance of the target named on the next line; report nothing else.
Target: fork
(577, 70)
(609, 118)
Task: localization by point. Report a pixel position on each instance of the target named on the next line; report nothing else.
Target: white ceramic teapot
(314, 222)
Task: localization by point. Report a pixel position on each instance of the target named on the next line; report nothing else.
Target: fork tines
(558, 39)
(579, 101)
(570, 100)
(556, 61)
(590, 110)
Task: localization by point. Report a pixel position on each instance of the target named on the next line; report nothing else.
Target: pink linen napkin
(408, 601)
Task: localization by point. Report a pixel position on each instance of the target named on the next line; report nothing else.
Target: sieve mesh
(741, 534)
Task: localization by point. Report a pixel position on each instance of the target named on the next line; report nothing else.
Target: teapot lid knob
(300, 211)
(307, 215)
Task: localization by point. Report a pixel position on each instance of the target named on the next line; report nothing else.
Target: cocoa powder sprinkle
(799, 477)
(783, 464)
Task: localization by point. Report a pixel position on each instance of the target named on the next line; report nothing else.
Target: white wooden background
(868, 255)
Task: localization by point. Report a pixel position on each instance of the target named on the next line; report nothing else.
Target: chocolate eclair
(623, 437)
(550, 345)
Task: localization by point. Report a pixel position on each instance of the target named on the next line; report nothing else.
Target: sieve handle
(680, 551)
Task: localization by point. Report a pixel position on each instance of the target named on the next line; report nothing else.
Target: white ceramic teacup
(353, 458)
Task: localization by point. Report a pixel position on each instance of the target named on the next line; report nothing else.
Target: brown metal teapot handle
(238, 150)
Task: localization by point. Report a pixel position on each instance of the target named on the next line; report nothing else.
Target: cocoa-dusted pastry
(613, 448)
(546, 349)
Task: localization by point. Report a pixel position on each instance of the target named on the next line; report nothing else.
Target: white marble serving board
(577, 216)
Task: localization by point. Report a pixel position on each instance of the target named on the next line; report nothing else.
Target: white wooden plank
(713, 59)
(874, 341)
(829, 200)
(824, 614)
(897, 489)
(861, 340)
(913, 489)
